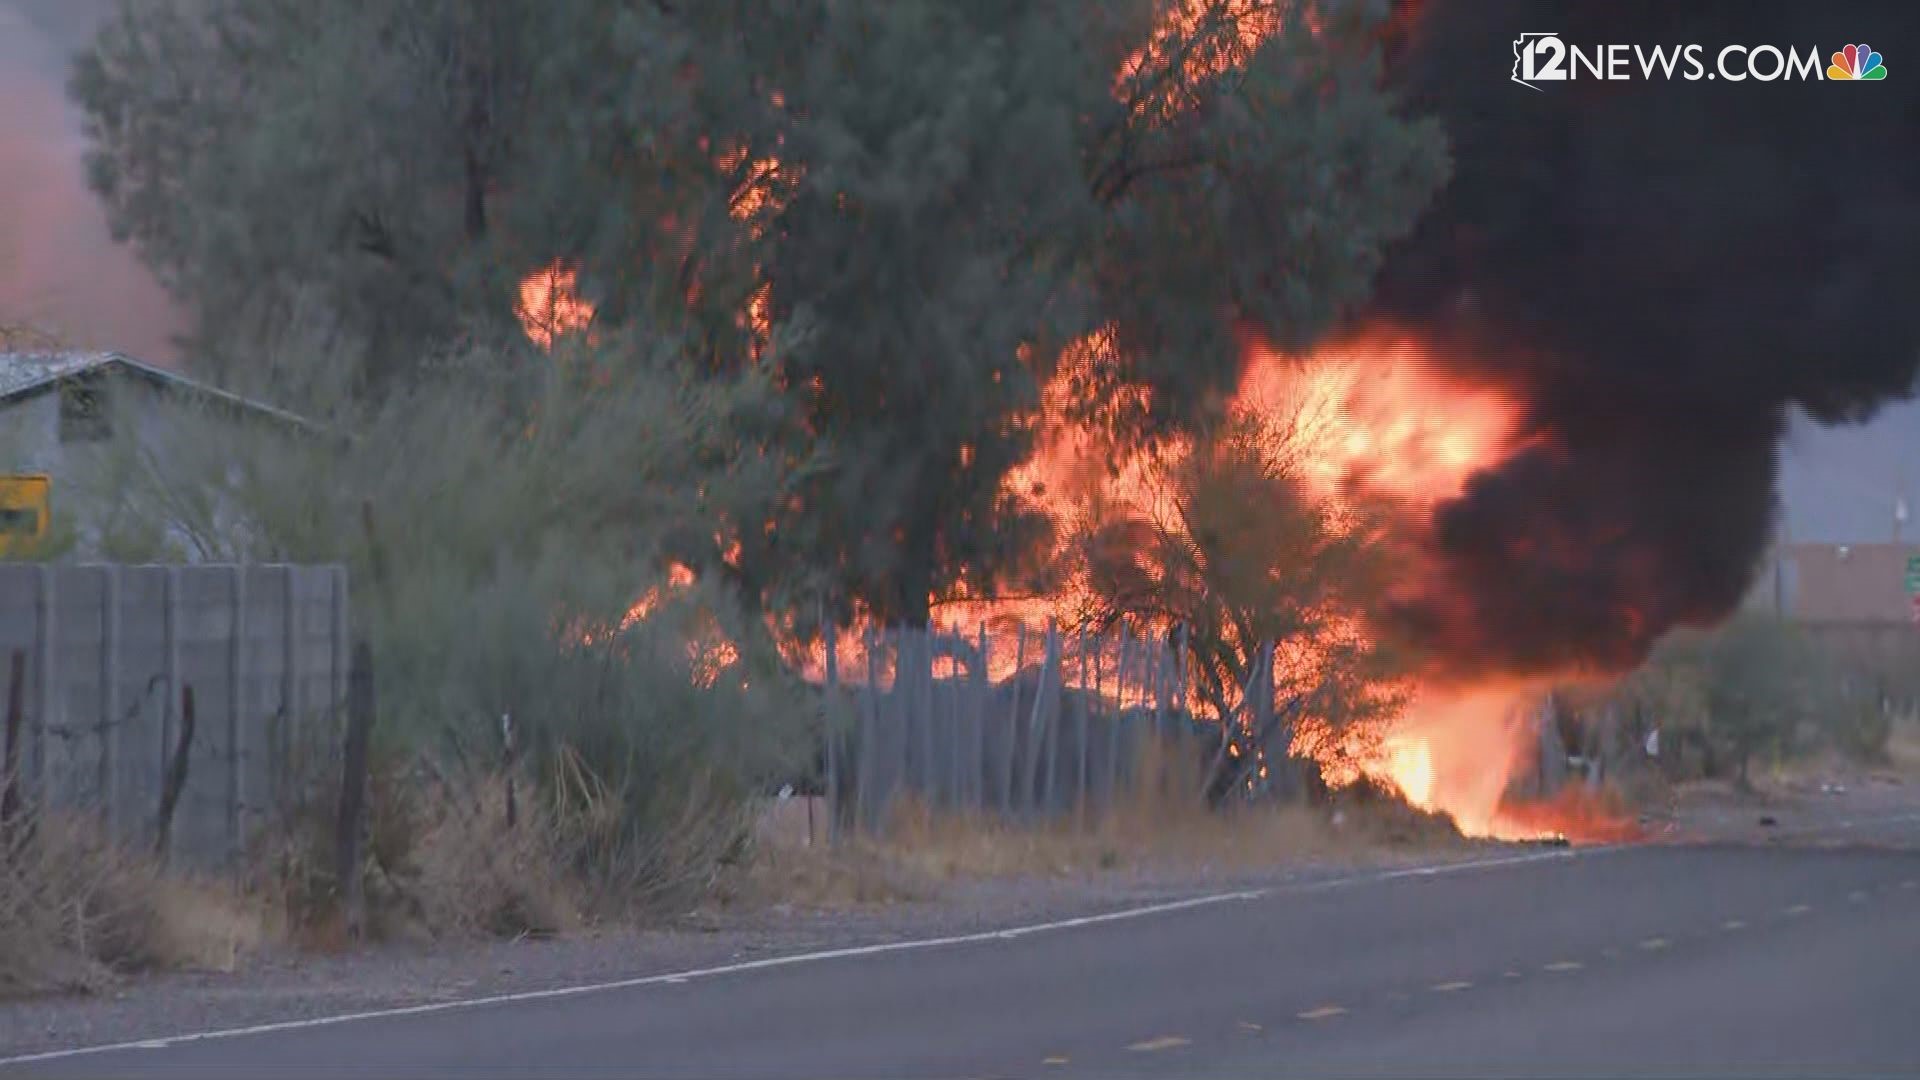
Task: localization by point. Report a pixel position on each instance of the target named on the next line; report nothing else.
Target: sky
(1840, 485)
(61, 271)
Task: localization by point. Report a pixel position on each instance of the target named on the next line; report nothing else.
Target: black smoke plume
(1659, 270)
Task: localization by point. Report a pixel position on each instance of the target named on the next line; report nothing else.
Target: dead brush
(469, 869)
(77, 909)
(640, 852)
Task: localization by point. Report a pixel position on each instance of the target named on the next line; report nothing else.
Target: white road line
(674, 978)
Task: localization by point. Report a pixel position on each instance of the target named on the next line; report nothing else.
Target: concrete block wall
(108, 649)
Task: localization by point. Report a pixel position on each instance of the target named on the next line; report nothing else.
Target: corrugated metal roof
(26, 373)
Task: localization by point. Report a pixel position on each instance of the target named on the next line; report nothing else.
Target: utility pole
(1899, 495)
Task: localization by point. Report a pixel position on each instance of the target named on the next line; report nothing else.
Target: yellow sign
(24, 513)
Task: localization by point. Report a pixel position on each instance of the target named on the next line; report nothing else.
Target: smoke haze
(60, 270)
(1660, 270)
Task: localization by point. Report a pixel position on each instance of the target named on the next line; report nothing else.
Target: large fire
(1369, 423)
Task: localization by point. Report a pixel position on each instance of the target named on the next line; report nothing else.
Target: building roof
(29, 374)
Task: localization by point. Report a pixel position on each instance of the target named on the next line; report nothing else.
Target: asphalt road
(1729, 960)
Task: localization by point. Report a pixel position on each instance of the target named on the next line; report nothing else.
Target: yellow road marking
(1164, 1042)
(1799, 909)
(1450, 987)
(1733, 924)
(1654, 944)
(1053, 1061)
(1322, 1013)
(1248, 1025)
(1564, 965)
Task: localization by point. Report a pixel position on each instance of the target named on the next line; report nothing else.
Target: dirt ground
(1842, 800)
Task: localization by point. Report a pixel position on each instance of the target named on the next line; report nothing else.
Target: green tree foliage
(924, 202)
(273, 157)
(1759, 686)
(499, 534)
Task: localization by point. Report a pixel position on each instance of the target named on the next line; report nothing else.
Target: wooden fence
(1047, 723)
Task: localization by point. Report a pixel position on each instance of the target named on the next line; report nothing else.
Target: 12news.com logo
(1547, 57)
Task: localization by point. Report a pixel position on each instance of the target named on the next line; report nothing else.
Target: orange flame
(1371, 418)
(1200, 39)
(550, 305)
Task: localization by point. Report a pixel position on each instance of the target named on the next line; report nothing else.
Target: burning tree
(1236, 549)
(907, 210)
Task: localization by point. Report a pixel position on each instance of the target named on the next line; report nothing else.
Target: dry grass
(465, 871)
(443, 861)
(1162, 825)
(76, 910)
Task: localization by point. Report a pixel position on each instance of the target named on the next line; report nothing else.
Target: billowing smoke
(60, 270)
(1658, 269)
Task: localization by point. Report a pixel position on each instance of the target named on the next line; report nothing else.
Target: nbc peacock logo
(1856, 63)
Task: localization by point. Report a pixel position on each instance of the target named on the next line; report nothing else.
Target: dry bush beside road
(76, 910)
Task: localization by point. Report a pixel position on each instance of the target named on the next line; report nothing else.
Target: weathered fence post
(10, 755)
(1160, 685)
(831, 731)
(1012, 741)
(292, 708)
(902, 737)
(1119, 718)
(175, 779)
(353, 787)
(863, 775)
(923, 671)
(1055, 668)
(170, 701)
(1080, 728)
(46, 691)
(953, 775)
(236, 706)
(109, 741)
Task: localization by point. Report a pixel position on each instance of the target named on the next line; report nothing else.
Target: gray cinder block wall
(108, 649)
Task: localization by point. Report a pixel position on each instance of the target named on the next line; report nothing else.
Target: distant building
(77, 417)
(1854, 598)
(1855, 584)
